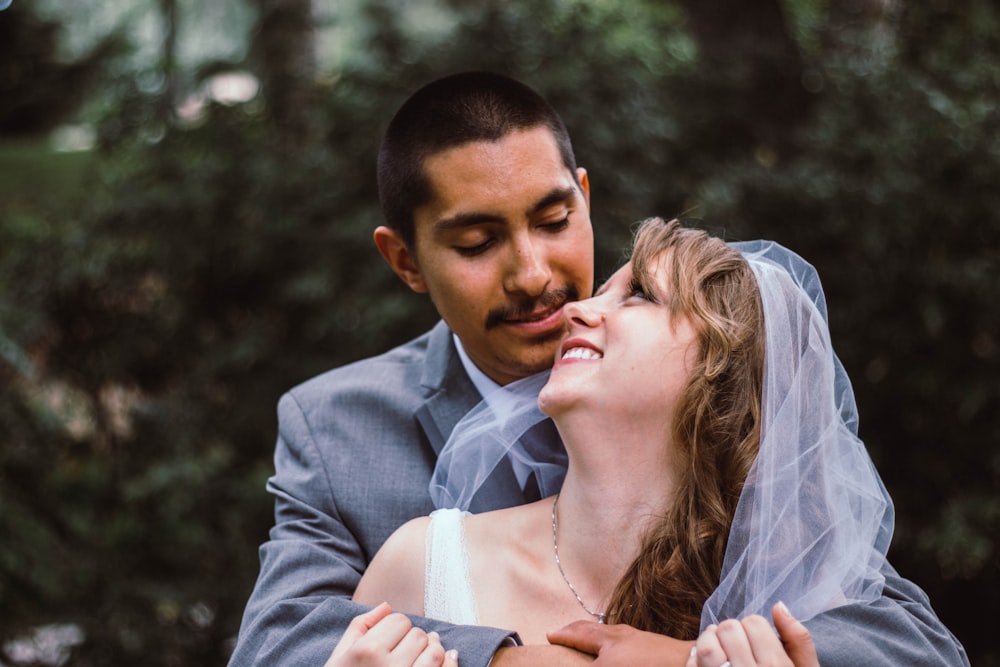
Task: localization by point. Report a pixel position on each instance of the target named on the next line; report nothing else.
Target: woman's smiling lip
(578, 349)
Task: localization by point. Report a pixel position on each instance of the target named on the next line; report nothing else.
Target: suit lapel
(451, 392)
(451, 395)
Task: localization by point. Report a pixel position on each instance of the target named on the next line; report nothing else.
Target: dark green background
(159, 292)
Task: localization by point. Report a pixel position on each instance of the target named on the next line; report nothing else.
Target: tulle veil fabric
(489, 433)
(814, 521)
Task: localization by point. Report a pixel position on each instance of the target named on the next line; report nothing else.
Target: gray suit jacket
(355, 452)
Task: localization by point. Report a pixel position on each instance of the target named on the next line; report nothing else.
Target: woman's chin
(556, 401)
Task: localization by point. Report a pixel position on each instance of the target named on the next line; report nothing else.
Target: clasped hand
(380, 637)
(751, 642)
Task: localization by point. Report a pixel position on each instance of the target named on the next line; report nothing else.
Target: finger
(357, 628)
(586, 636)
(433, 654)
(450, 658)
(796, 638)
(733, 639)
(708, 650)
(362, 623)
(386, 634)
(764, 642)
(409, 648)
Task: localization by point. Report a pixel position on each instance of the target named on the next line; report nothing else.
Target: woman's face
(623, 354)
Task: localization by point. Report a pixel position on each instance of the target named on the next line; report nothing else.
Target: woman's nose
(587, 312)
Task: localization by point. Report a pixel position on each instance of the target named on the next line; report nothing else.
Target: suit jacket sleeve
(900, 628)
(335, 503)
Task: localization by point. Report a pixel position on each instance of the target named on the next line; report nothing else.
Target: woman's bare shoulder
(396, 573)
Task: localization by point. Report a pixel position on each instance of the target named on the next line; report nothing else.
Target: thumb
(585, 636)
(358, 627)
(795, 637)
(362, 623)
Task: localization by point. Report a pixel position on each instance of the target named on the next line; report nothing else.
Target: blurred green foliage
(160, 292)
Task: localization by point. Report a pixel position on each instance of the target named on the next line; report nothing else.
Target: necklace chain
(599, 615)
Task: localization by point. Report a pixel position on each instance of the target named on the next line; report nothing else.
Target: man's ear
(581, 175)
(398, 256)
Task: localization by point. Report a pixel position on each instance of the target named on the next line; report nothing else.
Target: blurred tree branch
(38, 90)
(284, 56)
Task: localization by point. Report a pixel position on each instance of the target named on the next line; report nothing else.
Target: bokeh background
(187, 195)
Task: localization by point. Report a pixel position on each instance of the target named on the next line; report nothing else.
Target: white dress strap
(448, 592)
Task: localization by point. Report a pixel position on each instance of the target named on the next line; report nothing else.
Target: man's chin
(530, 365)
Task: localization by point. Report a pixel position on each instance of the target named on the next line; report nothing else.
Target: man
(488, 214)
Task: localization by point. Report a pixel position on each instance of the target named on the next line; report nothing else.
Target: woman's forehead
(654, 272)
(620, 277)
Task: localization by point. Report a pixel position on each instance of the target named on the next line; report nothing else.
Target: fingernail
(453, 654)
(694, 649)
(433, 634)
(784, 608)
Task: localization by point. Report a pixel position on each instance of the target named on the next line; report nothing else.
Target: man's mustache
(522, 308)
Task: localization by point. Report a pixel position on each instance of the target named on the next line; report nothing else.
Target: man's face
(505, 242)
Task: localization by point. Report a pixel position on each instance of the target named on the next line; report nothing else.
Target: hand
(379, 637)
(622, 644)
(752, 643)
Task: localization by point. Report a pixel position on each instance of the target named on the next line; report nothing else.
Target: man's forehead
(532, 149)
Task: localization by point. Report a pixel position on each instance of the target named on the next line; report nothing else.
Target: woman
(663, 399)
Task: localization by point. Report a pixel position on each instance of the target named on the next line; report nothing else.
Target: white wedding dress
(448, 592)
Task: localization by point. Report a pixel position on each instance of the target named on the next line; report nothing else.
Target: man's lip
(542, 321)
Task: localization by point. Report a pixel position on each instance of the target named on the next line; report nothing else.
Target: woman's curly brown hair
(716, 426)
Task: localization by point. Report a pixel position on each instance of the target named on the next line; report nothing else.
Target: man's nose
(529, 271)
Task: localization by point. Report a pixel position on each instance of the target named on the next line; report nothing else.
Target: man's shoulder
(413, 352)
(397, 372)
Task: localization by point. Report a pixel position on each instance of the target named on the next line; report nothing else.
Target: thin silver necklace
(599, 615)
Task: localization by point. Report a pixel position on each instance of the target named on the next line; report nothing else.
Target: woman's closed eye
(635, 289)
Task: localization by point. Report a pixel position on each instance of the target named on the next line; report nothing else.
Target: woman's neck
(619, 481)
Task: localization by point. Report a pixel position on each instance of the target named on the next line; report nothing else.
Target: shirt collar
(483, 383)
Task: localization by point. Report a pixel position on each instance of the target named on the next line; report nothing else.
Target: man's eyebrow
(460, 220)
(554, 196)
(466, 220)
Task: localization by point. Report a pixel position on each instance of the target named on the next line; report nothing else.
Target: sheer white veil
(499, 429)
(814, 521)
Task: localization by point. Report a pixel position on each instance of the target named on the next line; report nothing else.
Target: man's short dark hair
(450, 112)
